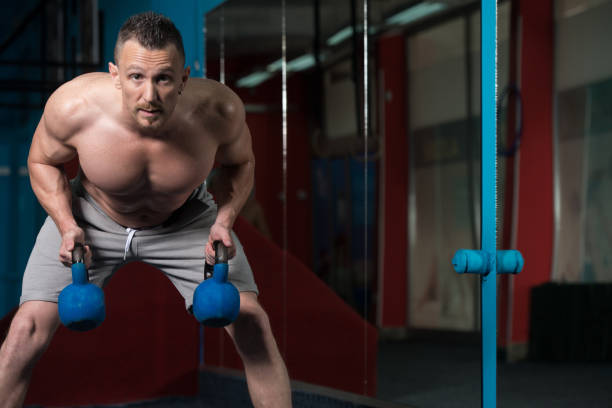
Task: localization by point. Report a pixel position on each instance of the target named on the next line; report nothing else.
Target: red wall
(505, 238)
(535, 201)
(392, 302)
(266, 130)
(264, 118)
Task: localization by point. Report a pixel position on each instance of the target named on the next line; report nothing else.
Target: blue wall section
(20, 213)
(188, 18)
(6, 286)
(338, 225)
(26, 46)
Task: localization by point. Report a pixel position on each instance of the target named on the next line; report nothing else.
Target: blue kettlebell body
(216, 302)
(81, 304)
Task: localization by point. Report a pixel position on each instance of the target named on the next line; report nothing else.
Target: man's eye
(136, 76)
(163, 78)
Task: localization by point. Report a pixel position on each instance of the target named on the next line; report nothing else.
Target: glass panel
(439, 298)
(583, 81)
(571, 127)
(326, 195)
(598, 228)
(445, 135)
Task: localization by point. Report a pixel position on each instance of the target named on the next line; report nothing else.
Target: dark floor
(435, 375)
(429, 374)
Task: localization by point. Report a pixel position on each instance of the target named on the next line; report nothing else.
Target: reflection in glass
(444, 132)
(583, 240)
(439, 133)
(318, 150)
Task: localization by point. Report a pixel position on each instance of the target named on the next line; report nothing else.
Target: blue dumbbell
(216, 302)
(81, 304)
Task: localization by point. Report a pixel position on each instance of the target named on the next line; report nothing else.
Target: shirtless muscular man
(146, 136)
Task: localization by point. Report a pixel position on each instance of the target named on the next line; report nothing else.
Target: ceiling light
(254, 79)
(415, 13)
(301, 63)
(275, 66)
(340, 36)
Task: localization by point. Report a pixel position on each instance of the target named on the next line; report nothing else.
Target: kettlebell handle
(220, 252)
(78, 253)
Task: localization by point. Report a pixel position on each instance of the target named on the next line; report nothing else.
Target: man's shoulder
(82, 87)
(79, 93)
(76, 102)
(217, 99)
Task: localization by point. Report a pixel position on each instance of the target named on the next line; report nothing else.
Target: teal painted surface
(115, 13)
(483, 262)
(489, 190)
(189, 19)
(6, 285)
(20, 214)
(25, 46)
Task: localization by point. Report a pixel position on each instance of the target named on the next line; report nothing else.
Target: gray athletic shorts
(176, 248)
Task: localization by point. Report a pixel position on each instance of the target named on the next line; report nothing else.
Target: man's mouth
(149, 112)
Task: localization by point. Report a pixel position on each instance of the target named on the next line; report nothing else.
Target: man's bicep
(48, 147)
(63, 117)
(237, 151)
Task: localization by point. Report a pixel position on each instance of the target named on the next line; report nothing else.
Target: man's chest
(120, 163)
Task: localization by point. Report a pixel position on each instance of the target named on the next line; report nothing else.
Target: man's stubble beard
(152, 123)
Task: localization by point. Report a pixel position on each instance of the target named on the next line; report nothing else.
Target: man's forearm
(51, 187)
(231, 190)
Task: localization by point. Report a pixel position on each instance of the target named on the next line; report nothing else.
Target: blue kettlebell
(81, 304)
(216, 301)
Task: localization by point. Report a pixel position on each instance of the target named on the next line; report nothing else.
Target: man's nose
(150, 92)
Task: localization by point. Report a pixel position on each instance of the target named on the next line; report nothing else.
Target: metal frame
(488, 262)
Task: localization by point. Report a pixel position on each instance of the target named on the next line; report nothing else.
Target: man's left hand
(223, 234)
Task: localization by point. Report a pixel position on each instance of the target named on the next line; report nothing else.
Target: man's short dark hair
(153, 31)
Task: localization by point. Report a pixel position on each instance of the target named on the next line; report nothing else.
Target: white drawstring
(128, 242)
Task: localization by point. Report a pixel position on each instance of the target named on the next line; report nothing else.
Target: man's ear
(184, 79)
(114, 71)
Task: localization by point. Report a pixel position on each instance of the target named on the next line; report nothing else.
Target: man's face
(150, 81)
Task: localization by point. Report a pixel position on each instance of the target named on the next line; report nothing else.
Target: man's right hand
(69, 238)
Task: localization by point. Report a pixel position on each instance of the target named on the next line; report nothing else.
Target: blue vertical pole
(489, 240)
(488, 262)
